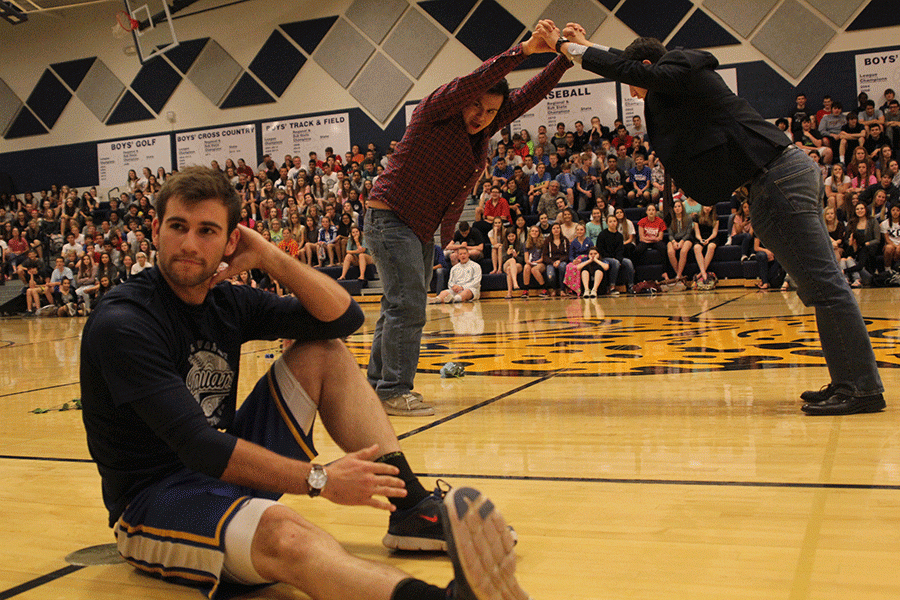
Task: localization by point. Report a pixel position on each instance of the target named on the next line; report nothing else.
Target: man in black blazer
(785, 189)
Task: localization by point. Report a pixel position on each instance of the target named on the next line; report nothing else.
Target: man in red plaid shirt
(417, 192)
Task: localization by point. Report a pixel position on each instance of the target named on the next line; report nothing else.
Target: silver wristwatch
(316, 480)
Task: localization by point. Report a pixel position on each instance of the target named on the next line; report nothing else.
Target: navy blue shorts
(175, 528)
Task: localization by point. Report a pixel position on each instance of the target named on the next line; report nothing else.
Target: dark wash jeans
(405, 266)
(786, 212)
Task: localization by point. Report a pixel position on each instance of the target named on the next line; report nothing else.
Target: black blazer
(710, 140)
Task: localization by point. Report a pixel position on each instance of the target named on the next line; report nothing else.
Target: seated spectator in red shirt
(519, 146)
(622, 138)
(496, 206)
(651, 232)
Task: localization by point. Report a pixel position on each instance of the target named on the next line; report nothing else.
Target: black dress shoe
(842, 404)
(816, 396)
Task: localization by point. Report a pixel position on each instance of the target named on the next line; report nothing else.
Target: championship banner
(203, 147)
(633, 106)
(115, 159)
(877, 72)
(565, 104)
(569, 104)
(299, 137)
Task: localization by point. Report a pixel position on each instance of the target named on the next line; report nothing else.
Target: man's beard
(177, 276)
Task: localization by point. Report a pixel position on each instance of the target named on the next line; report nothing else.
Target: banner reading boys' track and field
(299, 137)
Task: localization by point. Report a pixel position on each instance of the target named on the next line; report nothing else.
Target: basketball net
(125, 24)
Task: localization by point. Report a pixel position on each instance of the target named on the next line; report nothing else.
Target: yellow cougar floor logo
(639, 345)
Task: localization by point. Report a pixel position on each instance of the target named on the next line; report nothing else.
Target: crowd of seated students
(543, 204)
(582, 176)
(578, 182)
(856, 150)
(68, 249)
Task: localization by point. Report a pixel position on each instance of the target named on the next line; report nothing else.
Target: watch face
(317, 478)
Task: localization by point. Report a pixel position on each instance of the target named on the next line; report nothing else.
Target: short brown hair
(644, 48)
(195, 184)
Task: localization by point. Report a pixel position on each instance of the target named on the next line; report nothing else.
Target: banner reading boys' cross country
(207, 145)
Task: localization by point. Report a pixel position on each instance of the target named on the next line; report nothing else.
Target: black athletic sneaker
(480, 548)
(419, 528)
(813, 396)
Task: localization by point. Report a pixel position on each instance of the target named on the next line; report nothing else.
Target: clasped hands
(546, 33)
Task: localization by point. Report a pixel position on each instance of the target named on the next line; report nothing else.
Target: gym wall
(66, 83)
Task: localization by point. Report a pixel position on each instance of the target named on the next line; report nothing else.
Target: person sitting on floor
(465, 280)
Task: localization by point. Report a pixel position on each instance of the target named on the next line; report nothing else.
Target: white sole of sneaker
(481, 548)
(422, 412)
(413, 544)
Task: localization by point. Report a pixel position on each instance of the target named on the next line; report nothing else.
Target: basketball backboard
(154, 33)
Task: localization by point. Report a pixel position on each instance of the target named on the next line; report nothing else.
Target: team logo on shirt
(209, 381)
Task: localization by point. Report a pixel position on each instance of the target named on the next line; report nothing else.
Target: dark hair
(644, 48)
(501, 88)
(837, 105)
(195, 184)
(464, 225)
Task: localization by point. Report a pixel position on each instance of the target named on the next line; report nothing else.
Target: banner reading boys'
(876, 72)
(203, 147)
(299, 137)
(569, 104)
(115, 159)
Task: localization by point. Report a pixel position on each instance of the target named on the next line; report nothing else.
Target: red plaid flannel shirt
(437, 163)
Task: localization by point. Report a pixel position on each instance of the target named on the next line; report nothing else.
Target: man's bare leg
(290, 549)
(355, 418)
(350, 409)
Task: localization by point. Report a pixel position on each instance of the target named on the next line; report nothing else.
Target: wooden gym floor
(644, 448)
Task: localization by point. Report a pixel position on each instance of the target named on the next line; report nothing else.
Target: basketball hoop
(125, 24)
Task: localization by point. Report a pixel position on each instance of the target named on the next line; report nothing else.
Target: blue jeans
(405, 266)
(555, 275)
(767, 270)
(786, 211)
(627, 268)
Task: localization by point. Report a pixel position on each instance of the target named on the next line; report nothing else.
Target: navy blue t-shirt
(159, 376)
